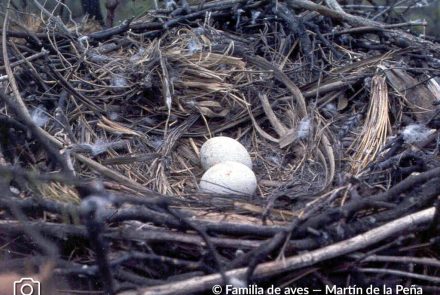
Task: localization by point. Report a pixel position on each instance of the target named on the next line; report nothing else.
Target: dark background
(428, 10)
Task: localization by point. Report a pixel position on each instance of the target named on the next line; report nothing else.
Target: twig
(90, 211)
(398, 259)
(399, 37)
(20, 103)
(29, 58)
(400, 273)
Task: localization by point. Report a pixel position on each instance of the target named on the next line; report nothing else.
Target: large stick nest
(101, 132)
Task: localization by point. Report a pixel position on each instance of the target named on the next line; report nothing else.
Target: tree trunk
(92, 8)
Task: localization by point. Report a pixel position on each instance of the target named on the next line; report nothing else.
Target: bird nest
(102, 132)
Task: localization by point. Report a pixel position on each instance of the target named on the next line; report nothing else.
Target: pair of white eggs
(228, 167)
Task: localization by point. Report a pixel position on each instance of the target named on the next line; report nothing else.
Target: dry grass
(376, 127)
(59, 192)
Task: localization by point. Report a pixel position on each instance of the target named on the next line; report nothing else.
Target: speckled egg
(229, 178)
(222, 148)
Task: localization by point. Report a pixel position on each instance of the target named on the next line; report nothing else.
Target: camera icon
(27, 286)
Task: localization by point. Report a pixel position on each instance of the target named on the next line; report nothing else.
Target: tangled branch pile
(100, 138)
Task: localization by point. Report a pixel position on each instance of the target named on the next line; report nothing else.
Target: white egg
(222, 148)
(229, 178)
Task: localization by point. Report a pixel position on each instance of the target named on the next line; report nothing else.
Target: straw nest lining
(202, 94)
